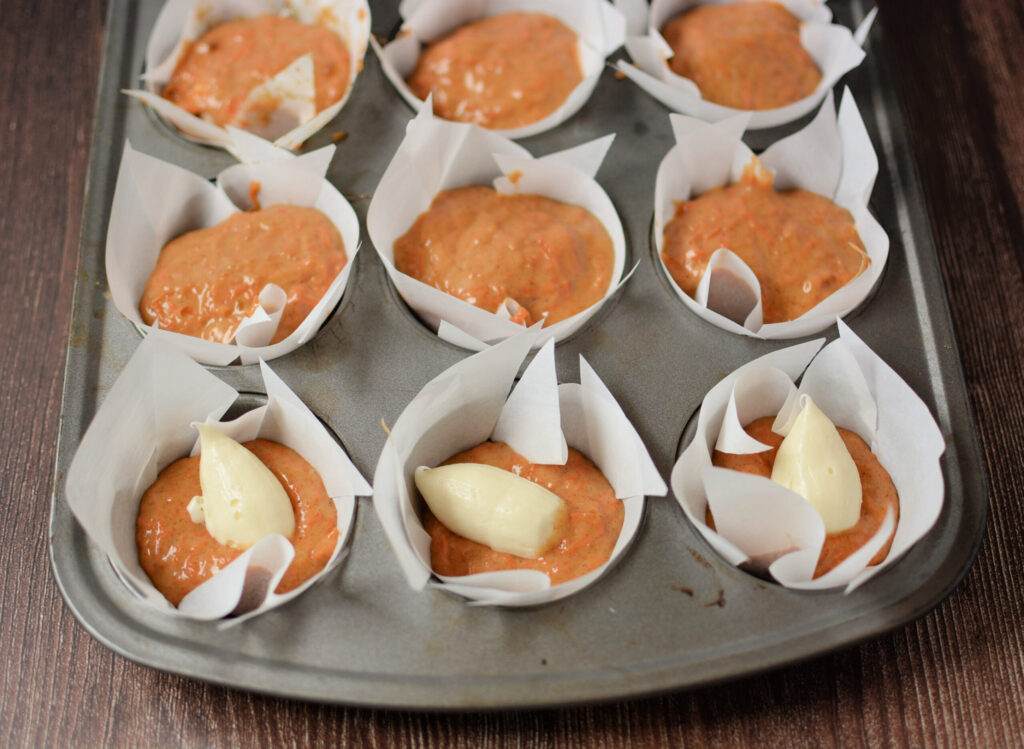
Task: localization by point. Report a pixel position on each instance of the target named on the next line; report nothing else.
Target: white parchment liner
(600, 27)
(296, 119)
(833, 47)
(438, 155)
(832, 156)
(466, 405)
(769, 527)
(144, 424)
(155, 201)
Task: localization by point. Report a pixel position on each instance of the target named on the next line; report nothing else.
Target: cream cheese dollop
(813, 462)
(242, 500)
(494, 507)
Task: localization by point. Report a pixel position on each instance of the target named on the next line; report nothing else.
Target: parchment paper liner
(832, 156)
(143, 425)
(296, 119)
(600, 27)
(833, 47)
(466, 405)
(155, 201)
(439, 155)
(768, 527)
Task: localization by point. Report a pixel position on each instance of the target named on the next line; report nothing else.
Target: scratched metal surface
(671, 614)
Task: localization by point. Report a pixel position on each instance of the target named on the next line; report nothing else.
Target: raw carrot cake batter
(801, 246)
(746, 55)
(878, 492)
(552, 258)
(218, 71)
(179, 554)
(206, 282)
(595, 519)
(500, 72)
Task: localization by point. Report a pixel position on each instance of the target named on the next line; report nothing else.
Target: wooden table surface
(956, 676)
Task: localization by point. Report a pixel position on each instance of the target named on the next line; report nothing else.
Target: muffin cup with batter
(600, 28)
(833, 48)
(144, 424)
(154, 202)
(294, 117)
(470, 403)
(445, 155)
(832, 156)
(766, 528)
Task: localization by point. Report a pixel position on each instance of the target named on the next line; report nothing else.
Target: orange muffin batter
(595, 519)
(218, 70)
(801, 246)
(179, 555)
(746, 55)
(878, 492)
(501, 72)
(553, 258)
(206, 282)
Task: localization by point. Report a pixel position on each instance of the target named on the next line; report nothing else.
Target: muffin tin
(671, 614)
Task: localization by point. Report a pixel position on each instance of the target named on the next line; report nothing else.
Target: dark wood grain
(954, 677)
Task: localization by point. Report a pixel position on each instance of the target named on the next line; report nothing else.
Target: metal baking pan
(671, 614)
